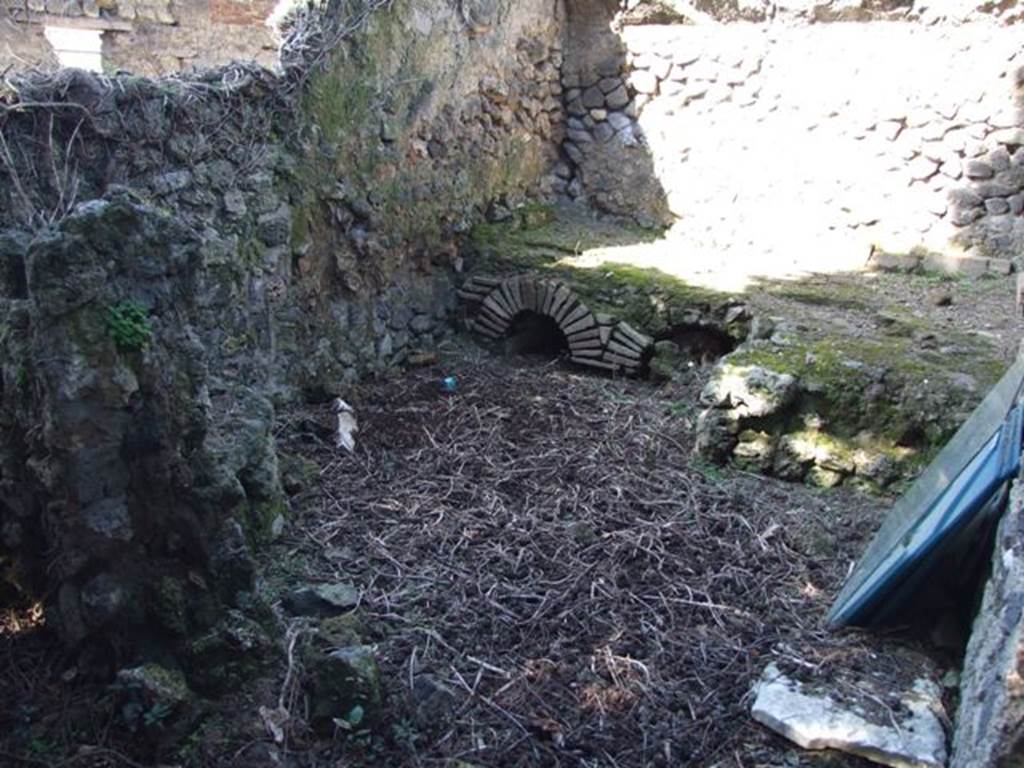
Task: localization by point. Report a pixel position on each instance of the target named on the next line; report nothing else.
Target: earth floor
(544, 545)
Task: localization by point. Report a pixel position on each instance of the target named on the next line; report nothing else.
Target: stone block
(819, 715)
(979, 169)
(618, 98)
(964, 197)
(894, 262)
(1012, 177)
(999, 159)
(346, 686)
(989, 189)
(643, 81)
(593, 98)
(619, 120)
(961, 217)
(968, 266)
(1000, 267)
(997, 205)
(275, 228)
(1007, 136)
(603, 132)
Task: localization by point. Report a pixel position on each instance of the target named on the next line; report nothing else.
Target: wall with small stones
(145, 37)
(283, 235)
(900, 133)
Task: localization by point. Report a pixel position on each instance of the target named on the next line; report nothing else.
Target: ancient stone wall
(990, 720)
(149, 37)
(179, 256)
(880, 129)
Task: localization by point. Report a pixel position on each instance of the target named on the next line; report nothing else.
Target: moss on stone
(523, 241)
(341, 631)
(229, 654)
(842, 295)
(261, 519)
(876, 397)
(168, 605)
(297, 472)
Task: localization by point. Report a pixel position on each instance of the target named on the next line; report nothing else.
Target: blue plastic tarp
(964, 483)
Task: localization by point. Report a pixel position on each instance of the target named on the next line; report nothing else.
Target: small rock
(275, 228)
(754, 451)
(175, 181)
(341, 631)
(159, 685)
(822, 477)
(965, 197)
(104, 597)
(894, 262)
(346, 690)
(234, 203)
(749, 390)
(961, 217)
(156, 701)
(999, 158)
(643, 81)
(979, 169)
(943, 297)
(593, 98)
(322, 600)
(818, 717)
(619, 120)
(997, 205)
(761, 327)
(988, 189)
(603, 132)
(618, 98)
(421, 323)
(433, 701)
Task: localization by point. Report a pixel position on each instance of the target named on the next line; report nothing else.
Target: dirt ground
(543, 548)
(543, 544)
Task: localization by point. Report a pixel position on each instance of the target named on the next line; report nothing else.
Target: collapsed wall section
(179, 256)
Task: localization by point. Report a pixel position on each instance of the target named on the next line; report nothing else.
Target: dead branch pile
(544, 544)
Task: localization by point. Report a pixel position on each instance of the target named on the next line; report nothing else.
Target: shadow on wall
(607, 161)
(988, 208)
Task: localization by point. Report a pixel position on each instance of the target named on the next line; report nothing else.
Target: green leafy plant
(128, 324)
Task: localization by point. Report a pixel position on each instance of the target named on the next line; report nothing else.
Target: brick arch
(595, 340)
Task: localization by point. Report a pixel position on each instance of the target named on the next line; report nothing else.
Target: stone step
(965, 265)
